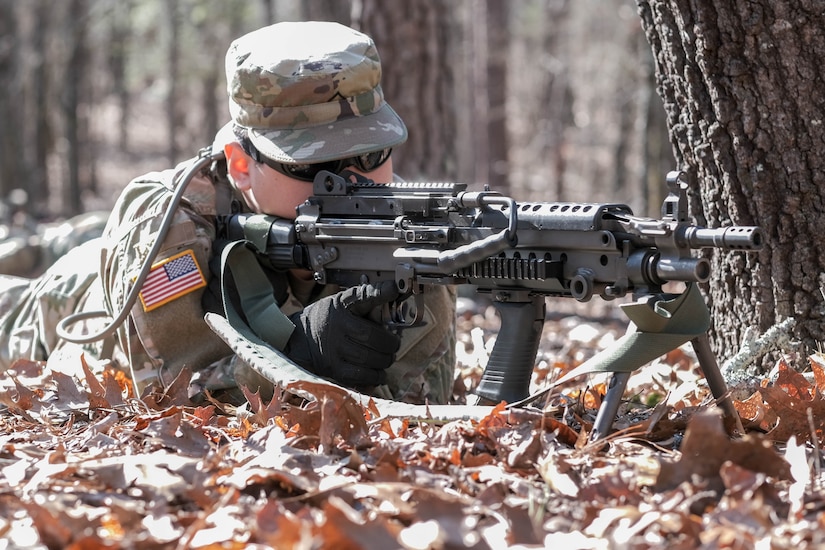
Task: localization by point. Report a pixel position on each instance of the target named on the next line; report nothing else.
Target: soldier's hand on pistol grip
(334, 337)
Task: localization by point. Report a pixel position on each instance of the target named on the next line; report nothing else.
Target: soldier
(303, 97)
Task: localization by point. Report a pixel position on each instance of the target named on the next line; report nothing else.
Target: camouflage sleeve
(30, 309)
(166, 330)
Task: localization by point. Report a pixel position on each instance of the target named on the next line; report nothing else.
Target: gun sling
(257, 300)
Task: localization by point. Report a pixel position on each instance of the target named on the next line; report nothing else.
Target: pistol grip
(510, 366)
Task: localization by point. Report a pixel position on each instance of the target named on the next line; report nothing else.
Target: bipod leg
(664, 322)
(716, 382)
(610, 405)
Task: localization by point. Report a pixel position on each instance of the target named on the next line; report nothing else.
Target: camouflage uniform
(158, 343)
(292, 110)
(31, 308)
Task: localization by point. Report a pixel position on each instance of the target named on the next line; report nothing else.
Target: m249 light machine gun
(421, 234)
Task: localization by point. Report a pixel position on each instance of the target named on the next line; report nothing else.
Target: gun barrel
(737, 237)
(684, 269)
(646, 267)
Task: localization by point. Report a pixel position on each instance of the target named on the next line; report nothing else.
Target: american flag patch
(170, 279)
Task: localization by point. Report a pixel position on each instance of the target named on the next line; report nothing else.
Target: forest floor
(85, 464)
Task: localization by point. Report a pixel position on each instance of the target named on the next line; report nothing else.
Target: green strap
(283, 373)
(258, 303)
(657, 327)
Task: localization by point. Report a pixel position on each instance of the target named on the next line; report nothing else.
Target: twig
(735, 369)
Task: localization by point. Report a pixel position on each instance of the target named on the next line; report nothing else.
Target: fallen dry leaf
(707, 446)
(797, 407)
(85, 464)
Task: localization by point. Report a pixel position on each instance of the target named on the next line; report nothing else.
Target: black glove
(333, 337)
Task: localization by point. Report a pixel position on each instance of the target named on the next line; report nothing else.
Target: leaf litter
(85, 464)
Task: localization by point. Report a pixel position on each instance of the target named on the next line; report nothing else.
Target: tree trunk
(327, 10)
(269, 12)
(741, 82)
(414, 40)
(42, 132)
(10, 153)
(118, 57)
(173, 117)
(72, 99)
(478, 74)
(498, 141)
(657, 157)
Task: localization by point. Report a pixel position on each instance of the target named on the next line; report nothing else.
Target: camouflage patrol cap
(310, 92)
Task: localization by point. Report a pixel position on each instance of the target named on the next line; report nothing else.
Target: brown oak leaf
(798, 405)
(706, 447)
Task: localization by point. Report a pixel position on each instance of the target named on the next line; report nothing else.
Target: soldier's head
(305, 97)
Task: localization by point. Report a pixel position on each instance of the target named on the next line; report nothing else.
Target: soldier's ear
(237, 164)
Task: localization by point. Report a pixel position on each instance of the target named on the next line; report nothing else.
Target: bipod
(659, 323)
(710, 370)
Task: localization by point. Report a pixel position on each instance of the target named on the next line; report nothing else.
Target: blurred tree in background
(542, 99)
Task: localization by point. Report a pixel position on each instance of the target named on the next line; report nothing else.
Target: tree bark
(269, 12)
(479, 98)
(118, 57)
(741, 82)
(10, 153)
(42, 133)
(327, 10)
(414, 40)
(72, 98)
(173, 116)
(657, 156)
(498, 138)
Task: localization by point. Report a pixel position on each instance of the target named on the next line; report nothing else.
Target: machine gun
(420, 234)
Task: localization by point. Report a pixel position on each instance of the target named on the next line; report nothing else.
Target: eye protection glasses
(366, 162)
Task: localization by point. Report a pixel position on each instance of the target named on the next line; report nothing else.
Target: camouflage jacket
(165, 331)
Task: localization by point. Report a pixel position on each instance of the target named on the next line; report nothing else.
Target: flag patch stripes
(170, 279)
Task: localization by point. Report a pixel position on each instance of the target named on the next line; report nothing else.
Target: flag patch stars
(170, 279)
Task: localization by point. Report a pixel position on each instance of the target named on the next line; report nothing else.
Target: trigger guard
(404, 312)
